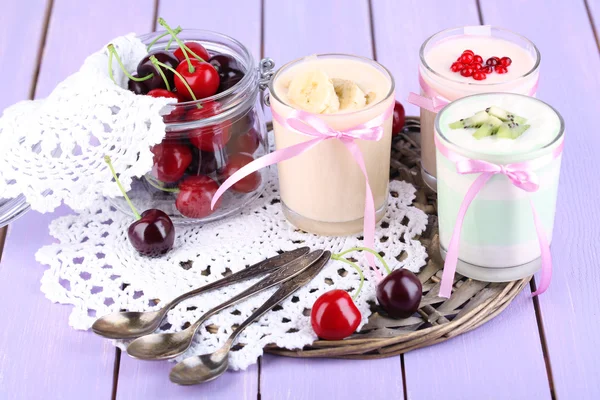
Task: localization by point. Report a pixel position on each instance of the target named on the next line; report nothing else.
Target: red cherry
(492, 61)
(203, 80)
(153, 234)
(162, 93)
(457, 66)
(478, 59)
(466, 58)
(501, 69)
(466, 72)
(195, 195)
(246, 143)
(468, 52)
(334, 316)
(211, 137)
(506, 61)
(487, 69)
(170, 161)
(236, 161)
(196, 48)
(400, 293)
(398, 118)
(479, 76)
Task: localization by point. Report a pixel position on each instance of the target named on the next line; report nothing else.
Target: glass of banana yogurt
(323, 189)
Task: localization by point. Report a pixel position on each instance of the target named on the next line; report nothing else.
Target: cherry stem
(152, 43)
(113, 52)
(164, 24)
(158, 64)
(177, 31)
(155, 183)
(114, 174)
(368, 250)
(357, 268)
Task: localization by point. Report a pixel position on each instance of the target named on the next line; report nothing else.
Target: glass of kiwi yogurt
(498, 239)
(323, 189)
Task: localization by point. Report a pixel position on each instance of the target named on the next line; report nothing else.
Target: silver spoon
(133, 324)
(161, 346)
(199, 369)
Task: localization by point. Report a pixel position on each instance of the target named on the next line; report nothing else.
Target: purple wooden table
(536, 349)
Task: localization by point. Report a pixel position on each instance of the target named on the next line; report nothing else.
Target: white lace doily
(52, 149)
(95, 268)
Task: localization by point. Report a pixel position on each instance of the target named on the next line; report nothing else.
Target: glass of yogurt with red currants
(215, 127)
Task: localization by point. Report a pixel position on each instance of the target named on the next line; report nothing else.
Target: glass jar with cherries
(216, 127)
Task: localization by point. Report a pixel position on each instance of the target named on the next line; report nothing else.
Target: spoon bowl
(194, 370)
(128, 325)
(161, 346)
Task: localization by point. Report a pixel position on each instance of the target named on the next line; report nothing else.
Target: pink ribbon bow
(522, 176)
(311, 125)
(434, 102)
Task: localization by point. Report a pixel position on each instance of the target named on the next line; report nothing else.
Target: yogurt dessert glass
(442, 82)
(498, 240)
(323, 189)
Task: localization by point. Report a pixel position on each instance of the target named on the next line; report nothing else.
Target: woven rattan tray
(472, 303)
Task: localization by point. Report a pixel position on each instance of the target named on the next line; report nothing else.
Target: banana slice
(350, 95)
(313, 91)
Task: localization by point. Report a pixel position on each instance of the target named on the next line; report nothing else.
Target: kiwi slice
(472, 122)
(489, 128)
(504, 115)
(511, 130)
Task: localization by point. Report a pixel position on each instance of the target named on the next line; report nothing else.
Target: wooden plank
(491, 361)
(137, 379)
(41, 355)
(593, 9)
(570, 82)
(293, 30)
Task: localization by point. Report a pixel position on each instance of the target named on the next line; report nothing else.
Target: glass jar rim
(245, 81)
(536, 65)
(360, 58)
(533, 154)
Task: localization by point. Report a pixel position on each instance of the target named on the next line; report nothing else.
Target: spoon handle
(283, 274)
(263, 267)
(286, 290)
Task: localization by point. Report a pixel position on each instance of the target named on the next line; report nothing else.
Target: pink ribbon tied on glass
(311, 125)
(434, 102)
(522, 176)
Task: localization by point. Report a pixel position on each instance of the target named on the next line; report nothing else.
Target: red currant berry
(466, 58)
(479, 76)
(487, 69)
(505, 61)
(492, 61)
(478, 59)
(466, 72)
(456, 67)
(475, 66)
(468, 52)
(501, 69)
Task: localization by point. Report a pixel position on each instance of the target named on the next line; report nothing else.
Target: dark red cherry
(246, 143)
(196, 48)
(211, 137)
(398, 118)
(153, 234)
(171, 159)
(162, 93)
(203, 79)
(203, 162)
(334, 316)
(145, 67)
(229, 78)
(136, 86)
(223, 62)
(195, 195)
(235, 162)
(399, 293)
